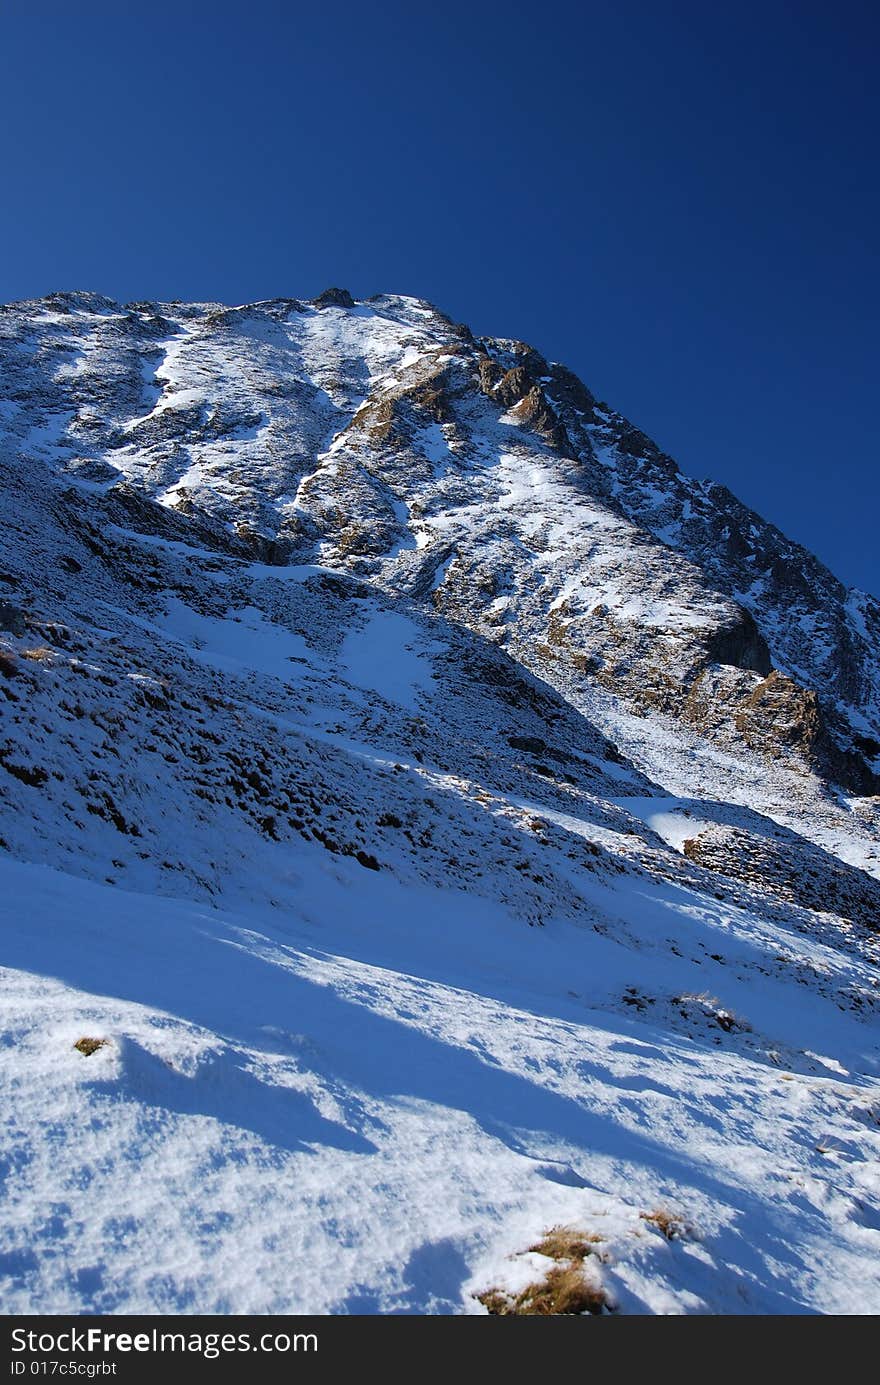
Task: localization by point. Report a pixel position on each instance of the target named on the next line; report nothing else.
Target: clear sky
(677, 199)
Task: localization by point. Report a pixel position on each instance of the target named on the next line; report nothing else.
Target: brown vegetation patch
(566, 1243)
(565, 1289)
(667, 1223)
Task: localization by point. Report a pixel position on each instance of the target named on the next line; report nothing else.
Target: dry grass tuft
(667, 1223)
(565, 1243)
(565, 1289)
(87, 1046)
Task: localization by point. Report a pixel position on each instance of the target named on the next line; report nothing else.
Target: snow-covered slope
(455, 822)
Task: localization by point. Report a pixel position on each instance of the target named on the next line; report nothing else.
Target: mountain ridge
(775, 605)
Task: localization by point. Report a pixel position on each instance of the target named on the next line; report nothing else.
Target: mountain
(452, 830)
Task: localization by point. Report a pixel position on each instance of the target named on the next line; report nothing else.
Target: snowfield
(378, 1100)
(416, 883)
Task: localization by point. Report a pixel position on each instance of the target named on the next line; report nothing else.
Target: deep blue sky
(677, 199)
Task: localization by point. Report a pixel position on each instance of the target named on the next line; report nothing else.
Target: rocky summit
(438, 838)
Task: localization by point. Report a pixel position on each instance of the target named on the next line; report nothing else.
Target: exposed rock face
(470, 475)
(741, 645)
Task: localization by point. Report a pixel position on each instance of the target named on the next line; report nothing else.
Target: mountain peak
(334, 298)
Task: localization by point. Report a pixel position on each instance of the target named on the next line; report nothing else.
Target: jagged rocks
(334, 298)
(535, 412)
(781, 712)
(519, 390)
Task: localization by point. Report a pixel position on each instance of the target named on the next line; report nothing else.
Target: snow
(368, 1102)
(175, 400)
(855, 606)
(433, 444)
(382, 657)
(245, 641)
(441, 572)
(669, 818)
